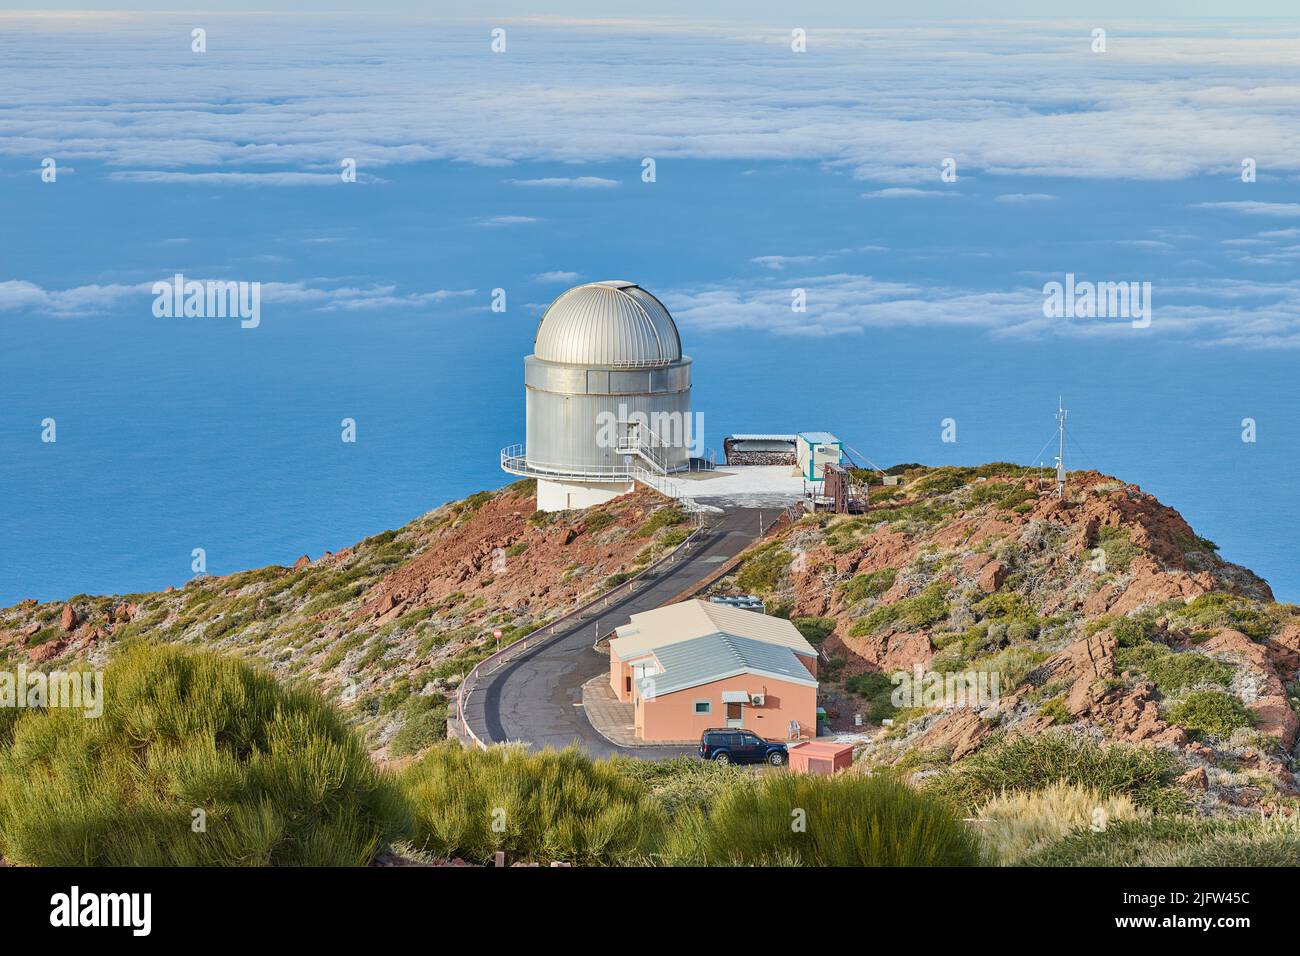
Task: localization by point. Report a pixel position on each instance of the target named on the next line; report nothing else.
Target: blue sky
(770, 11)
(522, 171)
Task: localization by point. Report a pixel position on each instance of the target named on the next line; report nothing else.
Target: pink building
(695, 665)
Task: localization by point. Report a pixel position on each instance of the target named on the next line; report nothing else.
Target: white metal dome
(614, 324)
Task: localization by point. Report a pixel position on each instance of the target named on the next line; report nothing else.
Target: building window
(704, 706)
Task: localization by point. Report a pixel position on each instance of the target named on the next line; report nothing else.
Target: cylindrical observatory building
(608, 397)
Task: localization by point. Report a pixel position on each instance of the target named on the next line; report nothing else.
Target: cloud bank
(889, 104)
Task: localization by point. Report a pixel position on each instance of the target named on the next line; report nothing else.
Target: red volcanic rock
(47, 651)
(992, 577)
(302, 563)
(1272, 707)
(1195, 778)
(963, 730)
(68, 620)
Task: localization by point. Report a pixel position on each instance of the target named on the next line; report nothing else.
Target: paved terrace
(536, 696)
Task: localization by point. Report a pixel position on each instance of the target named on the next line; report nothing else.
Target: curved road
(536, 697)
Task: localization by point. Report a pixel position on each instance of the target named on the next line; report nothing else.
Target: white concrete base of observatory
(567, 495)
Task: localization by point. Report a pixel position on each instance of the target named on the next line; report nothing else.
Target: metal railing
(632, 443)
(550, 631)
(515, 460)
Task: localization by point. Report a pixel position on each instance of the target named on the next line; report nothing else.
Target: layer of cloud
(906, 192)
(20, 296)
(508, 221)
(1238, 313)
(1278, 210)
(568, 182)
(889, 103)
(274, 178)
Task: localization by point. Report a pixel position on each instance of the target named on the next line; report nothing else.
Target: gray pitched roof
(702, 660)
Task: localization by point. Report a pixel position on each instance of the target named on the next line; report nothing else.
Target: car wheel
(776, 758)
(722, 757)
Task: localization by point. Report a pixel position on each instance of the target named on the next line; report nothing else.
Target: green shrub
(1030, 763)
(684, 784)
(672, 537)
(664, 517)
(426, 725)
(516, 549)
(814, 629)
(878, 689)
(1183, 841)
(417, 616)
(940, 481)
(599, 520)
(1172, 672)
(1002, 494)
(1228, 610)
(477, 500)
(1119, 550)
(44, 635)
(762, 570)
(1012, 610)
(1057, 711)
(870, 585)
(542, 807)
(1210, 712)
(279, 777)
(845, 820)
(1133, 631)
(920, 611)
(523, 488)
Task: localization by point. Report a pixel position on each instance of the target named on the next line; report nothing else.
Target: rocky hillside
(1103, 612)
(388, 627)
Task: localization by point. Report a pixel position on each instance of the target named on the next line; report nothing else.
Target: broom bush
(197, 760)
(537, 807)
(1031, 763)
(847, 820)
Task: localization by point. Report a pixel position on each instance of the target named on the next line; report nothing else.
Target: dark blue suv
(740, 746)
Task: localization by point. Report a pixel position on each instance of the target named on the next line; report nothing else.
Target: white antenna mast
(1060, 455)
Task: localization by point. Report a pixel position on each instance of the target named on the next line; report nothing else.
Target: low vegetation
(762, 570)
(197, 760)
(1184, 841)
(1014, 825)
(847, 820)
(1034, 763)
(1210, 713)
(533, 806)
(1172, 672)
(922, 610)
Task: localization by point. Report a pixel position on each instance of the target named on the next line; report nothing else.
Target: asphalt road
(536, 697)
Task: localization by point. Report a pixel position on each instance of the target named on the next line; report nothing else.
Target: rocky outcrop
(1008, 576)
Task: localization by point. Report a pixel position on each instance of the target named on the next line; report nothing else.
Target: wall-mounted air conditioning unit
(758, 700)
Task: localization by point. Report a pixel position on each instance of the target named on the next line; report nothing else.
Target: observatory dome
(611, 324)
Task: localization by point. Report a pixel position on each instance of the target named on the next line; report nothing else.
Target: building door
(629, 684)
(735, 715)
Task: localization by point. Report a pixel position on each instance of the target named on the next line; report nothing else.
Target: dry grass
(1015, 824)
